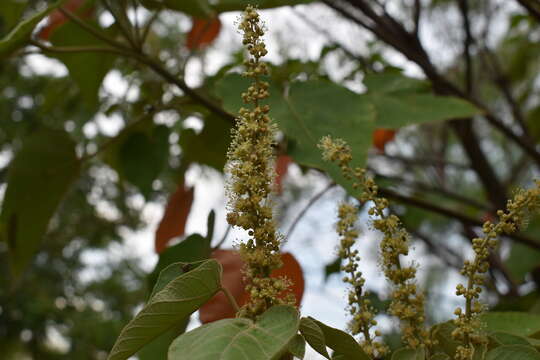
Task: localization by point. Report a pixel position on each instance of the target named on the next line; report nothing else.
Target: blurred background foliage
(463, 73)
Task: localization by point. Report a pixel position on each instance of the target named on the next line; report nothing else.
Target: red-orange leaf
(174, 219)
(203, 32)
(282, 165)
(57, 18)
(381, 137)
(219, 307)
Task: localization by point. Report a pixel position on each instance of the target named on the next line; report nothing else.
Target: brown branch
(301, 214)
(416, 185)
(534, 12)
(417, 12)
(467, 43)
(520, 238)
(501, 81)
(394, 34)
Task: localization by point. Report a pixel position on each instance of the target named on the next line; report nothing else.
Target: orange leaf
(282, 165)
(219, 307)
(174, 219)
(381, 137)
(203, 32)
(57, 18)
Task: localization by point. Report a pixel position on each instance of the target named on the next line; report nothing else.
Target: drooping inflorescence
(468, 326)
(362, 313)
(250, 165)
(407, 300)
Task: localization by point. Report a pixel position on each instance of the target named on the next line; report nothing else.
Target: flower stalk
(251, 160)
(468, 326)
(407, 300)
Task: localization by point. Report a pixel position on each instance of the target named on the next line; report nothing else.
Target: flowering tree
(486, 87)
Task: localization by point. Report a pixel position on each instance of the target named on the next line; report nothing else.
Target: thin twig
(120, 22)
(520, 238)
(363, 62)
(301, 214)
(467, 43)
(446, 193)
(218, 245)
(231, 299)
(417, 12)
(97, 34)
(77, 49)
(148, 26)
(534, 12)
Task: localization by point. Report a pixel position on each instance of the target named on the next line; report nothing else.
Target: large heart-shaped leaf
(305, 116)
(238, 339)
(38, 177)
(167, 307)
(20, 35)
(513, 352)
(400, 101)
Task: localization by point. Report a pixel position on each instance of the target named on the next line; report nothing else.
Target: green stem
(231, 299)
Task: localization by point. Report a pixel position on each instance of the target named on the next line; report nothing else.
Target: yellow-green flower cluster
(362, 313)
(250, 165)
(468, 330)
(407, 300)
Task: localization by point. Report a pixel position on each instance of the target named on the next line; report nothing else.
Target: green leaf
(143, 156)
(516, 323)
(192, 249)
(240, 5)
(503, 338)
(21, 34)
(78, 64)
(442, 333)
(309, 117)
(393, 82)
(400, 101)
(236, 339)
(314, 336)
(305, 117)
(341, 342)
(10, 14)
(205, 8)
(159, 347)
(440, 356)
(409, 354)
(171, 272)
(210, 222)
(38, 177)
(198, 8)
(513, 352)
(522, 258)
(177, 300)
(209, 147)
(297, 346)
(139, 153)
(333, 268)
